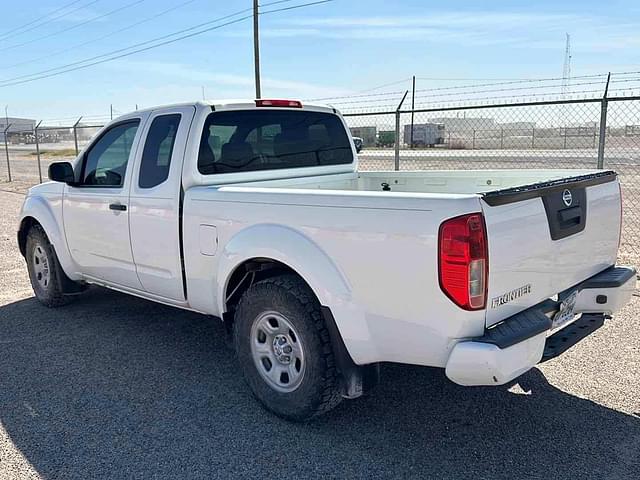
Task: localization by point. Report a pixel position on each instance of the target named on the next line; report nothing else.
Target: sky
(334, 49)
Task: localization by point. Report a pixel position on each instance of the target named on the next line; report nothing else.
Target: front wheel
(284, 349)
(45, 273)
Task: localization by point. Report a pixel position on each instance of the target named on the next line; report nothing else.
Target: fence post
(533, 137)
(413, 106)
(75, 134)
(565, 138)
(473, 142)
(38, 151)
(501, 138)
(6, 149)
(396, 155)
(397, 149)
(603, 125)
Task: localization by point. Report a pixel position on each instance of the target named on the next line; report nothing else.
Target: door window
(106, 162)
(158, 148)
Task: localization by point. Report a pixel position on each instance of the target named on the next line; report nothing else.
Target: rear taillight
(279, 103)
(463, 261)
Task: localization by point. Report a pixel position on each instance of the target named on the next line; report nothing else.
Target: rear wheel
(45, 273)
(284, 349)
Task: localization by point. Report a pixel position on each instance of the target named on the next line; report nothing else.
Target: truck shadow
(114, 386)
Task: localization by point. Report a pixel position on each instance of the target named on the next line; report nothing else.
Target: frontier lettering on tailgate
(511, 296)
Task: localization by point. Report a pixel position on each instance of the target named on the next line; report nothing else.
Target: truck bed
(531, 243)
(425, 182)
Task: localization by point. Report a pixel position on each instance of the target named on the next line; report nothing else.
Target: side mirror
(62, 172)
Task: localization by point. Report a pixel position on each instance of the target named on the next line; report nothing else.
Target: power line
(75, 66)
(294, 6)
(275, 3)
(73, 27)
(163, 37)
(385, 85)
(52, 19)
(120, 50)
(8, 32)
(114, 32)
(367, 90)
(97, 39)
(381, 94)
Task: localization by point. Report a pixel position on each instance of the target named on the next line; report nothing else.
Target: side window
(106, 162)
(158, 148)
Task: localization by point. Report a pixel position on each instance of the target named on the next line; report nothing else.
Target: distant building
(462, 124)
(85, 132)
(367, 134)
(517, 125)
(16, 125)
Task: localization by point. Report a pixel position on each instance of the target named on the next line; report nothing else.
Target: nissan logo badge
(567, 198)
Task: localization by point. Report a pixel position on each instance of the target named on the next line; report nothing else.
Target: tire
(279, 319)
(46, 276)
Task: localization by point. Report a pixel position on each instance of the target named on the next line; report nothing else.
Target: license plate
(566, 312)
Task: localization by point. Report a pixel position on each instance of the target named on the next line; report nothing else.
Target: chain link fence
(591, 133)
(27, 154)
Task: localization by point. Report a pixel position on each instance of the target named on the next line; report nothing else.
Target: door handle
(118, 207)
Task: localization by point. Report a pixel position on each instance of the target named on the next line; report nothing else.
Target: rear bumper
(515, 345)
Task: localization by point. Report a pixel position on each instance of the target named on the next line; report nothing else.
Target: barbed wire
(461, 87)
(474, 92)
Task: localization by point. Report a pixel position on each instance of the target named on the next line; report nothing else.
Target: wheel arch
(38, 211)
(280, 249)
(23, 230)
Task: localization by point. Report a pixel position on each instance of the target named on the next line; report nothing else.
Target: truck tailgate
(547, 237)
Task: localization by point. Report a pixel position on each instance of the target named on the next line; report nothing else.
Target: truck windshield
(248, 140)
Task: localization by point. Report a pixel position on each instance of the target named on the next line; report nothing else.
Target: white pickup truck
(255, 213)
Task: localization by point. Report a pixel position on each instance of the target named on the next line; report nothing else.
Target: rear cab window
(158, 150)
(265, 139)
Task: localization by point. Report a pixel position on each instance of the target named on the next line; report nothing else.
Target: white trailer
(424, 134)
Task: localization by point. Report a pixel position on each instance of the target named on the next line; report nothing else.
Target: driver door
(95, 211)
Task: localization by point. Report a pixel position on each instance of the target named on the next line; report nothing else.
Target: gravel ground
(117, 387)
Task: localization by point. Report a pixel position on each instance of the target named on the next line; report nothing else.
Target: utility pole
(256, 47)
(111, 111)
(203, 96)
(566, 68)
(6, 114)
(566, 79)
(413, 104)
